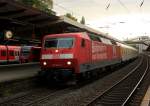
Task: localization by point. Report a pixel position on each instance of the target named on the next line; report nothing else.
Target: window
(11, 53)
(83, 43)
(3, 53)
(25, 53)
(59, 42)
(16, 53)
(25, 50)
(36, 51)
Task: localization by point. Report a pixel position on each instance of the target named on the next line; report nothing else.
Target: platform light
(44, 63)
(69, 63)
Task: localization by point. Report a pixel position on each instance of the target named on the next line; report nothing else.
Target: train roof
(66, 34)
(2, 46)
(36, 47)
(126, 46)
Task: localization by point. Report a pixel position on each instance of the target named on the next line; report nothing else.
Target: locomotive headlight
(69, 63)
(44, 63)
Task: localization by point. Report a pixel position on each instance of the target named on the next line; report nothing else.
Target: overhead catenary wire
(108, 5)
(106, 8)
(141, 4)
(123, 5)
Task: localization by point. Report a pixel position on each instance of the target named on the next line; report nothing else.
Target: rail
(111, 93)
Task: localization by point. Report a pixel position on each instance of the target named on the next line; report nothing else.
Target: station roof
(75, 26)
(138, 42)
(14, 13)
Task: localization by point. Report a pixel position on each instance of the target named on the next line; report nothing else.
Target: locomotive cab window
(59, 43)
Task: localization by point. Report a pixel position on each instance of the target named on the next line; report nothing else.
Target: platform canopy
(68, 25)
(13, 13)
(30, 23)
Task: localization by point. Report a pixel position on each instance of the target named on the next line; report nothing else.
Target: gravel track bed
(79, 96)
(140, 92)
(10, 88)
(29, 97)
(69, 96)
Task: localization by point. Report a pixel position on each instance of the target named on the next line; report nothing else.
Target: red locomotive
(76, 55)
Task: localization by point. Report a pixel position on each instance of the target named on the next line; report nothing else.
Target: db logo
(56, 56)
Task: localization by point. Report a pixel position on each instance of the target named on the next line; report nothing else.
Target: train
(30, 54)
(19, 54)
(71, 56)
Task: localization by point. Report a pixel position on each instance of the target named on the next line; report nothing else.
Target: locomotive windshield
(59, 42)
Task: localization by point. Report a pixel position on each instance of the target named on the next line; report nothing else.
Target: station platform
(15, 72)
(146, 99)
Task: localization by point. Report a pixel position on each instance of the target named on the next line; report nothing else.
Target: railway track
(120, 93)
(78, 96)
(34, 97)
(42, 97)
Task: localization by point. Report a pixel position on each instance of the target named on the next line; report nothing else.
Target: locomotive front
(58, 57)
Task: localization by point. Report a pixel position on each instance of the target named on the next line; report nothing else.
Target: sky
(124, 19)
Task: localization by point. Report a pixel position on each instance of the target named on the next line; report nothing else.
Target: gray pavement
(13, 73)
(146, 99)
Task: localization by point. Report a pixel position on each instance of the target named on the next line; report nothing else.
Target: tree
(82, 20)
(44, 5)
(71, 16)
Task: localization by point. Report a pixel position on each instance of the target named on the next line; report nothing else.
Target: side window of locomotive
(83, 43)
(3, 53)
